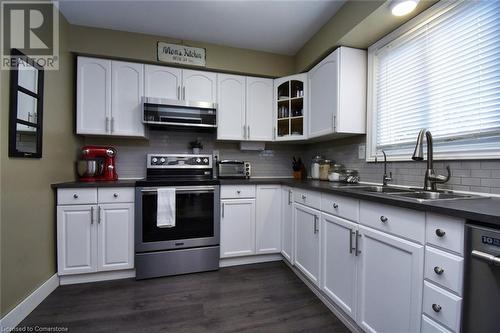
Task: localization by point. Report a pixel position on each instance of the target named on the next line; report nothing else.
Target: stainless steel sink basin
(436, 196)
(384, 189)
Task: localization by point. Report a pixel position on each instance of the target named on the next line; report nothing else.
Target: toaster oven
(234, 169)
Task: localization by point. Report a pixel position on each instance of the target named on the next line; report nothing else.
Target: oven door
(197, 219)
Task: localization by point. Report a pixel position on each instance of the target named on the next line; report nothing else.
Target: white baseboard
(23, 309)
(95, 277)
(255, 259)
(341, 315)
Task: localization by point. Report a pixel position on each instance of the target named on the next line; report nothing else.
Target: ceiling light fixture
(403, 7)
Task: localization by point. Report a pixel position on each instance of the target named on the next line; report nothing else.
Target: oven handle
(187, 189)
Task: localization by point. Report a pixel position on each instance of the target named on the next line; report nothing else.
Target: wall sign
(180, 54)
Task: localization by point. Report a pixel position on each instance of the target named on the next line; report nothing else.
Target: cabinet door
(338, 262)
(126, 101)
(323, 92)
(287, 224)
(76, 239)
(93, 96)
(199, 86)
(268, 221)
(390, 275)
(237, 236)
(259, 107)
(307, 236)
(115, 236)
(162, 82)
(230, 107)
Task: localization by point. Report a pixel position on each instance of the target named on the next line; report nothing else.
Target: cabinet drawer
(307, 198)
(444, 268)
(77, 196)
(237, 191)
(402, 222)
(445, 232)
(430, 326)
(115, 194)
(442, 306)
(347, 208)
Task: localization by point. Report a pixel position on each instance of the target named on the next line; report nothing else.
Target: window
(439, 71)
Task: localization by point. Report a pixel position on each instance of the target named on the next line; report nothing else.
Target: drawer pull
(383, 219)
(335, 205)
(438, 270)
(75, 196)
(239, 192)
(115, 195)
(440, 232)
(303, 197)
(436, 307)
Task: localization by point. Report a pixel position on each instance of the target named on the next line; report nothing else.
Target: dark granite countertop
(486, 210)
(114, 183)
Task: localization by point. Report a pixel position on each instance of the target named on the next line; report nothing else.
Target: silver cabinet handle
(92, 215)
(222, 209)
(274, 133)
(244, 132)
(335, 205)
(357, 251)
(179, 92)
(440, 232)
(438, 270)
(107, 124)
(248, 131)
(315, 224)
(303, 197)
(75, 195)
(289, 197)
(350, 240)
(99, 215)
(383, 219)
(112, 124)
(184, 93)
(436, 307)
(115, 195)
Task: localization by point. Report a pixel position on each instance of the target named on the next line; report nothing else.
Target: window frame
(371, 110)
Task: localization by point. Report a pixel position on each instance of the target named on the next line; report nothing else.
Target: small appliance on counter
(97, 163)
(234, 169)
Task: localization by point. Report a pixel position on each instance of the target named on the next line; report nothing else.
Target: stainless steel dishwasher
(482, 280)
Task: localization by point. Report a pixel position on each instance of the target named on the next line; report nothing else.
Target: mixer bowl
(89, 168)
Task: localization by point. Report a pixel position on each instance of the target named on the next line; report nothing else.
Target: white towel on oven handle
(165, 211)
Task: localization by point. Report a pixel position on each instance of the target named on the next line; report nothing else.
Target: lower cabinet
(287, 224)
(268, 219)
(338, 261)
(307, 241)
(389, 282)
(237, 237)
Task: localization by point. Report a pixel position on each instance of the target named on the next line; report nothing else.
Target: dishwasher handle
(489, 258)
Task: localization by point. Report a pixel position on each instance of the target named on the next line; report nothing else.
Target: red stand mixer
(97, 163)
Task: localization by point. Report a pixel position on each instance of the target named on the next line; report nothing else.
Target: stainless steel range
(192, 245)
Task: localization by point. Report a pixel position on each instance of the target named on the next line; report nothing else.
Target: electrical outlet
(215, 155)
(361, 151)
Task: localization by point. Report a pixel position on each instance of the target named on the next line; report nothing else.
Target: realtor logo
(32, 27)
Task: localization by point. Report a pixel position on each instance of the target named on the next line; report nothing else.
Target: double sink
(409, 193)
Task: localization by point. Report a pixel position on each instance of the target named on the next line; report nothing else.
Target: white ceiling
(277, 26)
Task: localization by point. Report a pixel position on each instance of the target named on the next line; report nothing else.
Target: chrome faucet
(431, 178)
(385, 178)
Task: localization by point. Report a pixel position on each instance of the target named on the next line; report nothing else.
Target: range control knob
(205, 160)
(162, 160)
(154, 159)
(198, 160)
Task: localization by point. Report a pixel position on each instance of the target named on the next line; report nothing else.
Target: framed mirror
(26, 107)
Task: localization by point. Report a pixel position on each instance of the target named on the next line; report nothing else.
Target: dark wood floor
(264, 297)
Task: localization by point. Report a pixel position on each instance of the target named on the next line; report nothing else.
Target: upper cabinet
(244, 108)
(162, 82)
(290, 103)
(109, 95)
(199, 86)
(337, 94)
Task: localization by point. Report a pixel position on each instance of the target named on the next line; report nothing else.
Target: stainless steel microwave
(234, 169)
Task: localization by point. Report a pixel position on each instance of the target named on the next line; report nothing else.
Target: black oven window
(194, 218)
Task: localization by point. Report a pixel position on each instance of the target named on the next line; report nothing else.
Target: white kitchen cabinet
(287, 223)
(93, 96)
(290, 108)
(338, 261)
(199, 86)
(162, 82)
(389, 282)
(337, 94)
(259, 109)
(307, 241)
(268, 219)
(127, 90)
(76, 239)
(237, 237)
(231, 106)
(115, 236)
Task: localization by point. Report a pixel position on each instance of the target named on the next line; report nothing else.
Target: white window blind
(443, 75)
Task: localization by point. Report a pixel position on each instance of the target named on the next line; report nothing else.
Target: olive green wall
(27, 201)
(141, 47)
